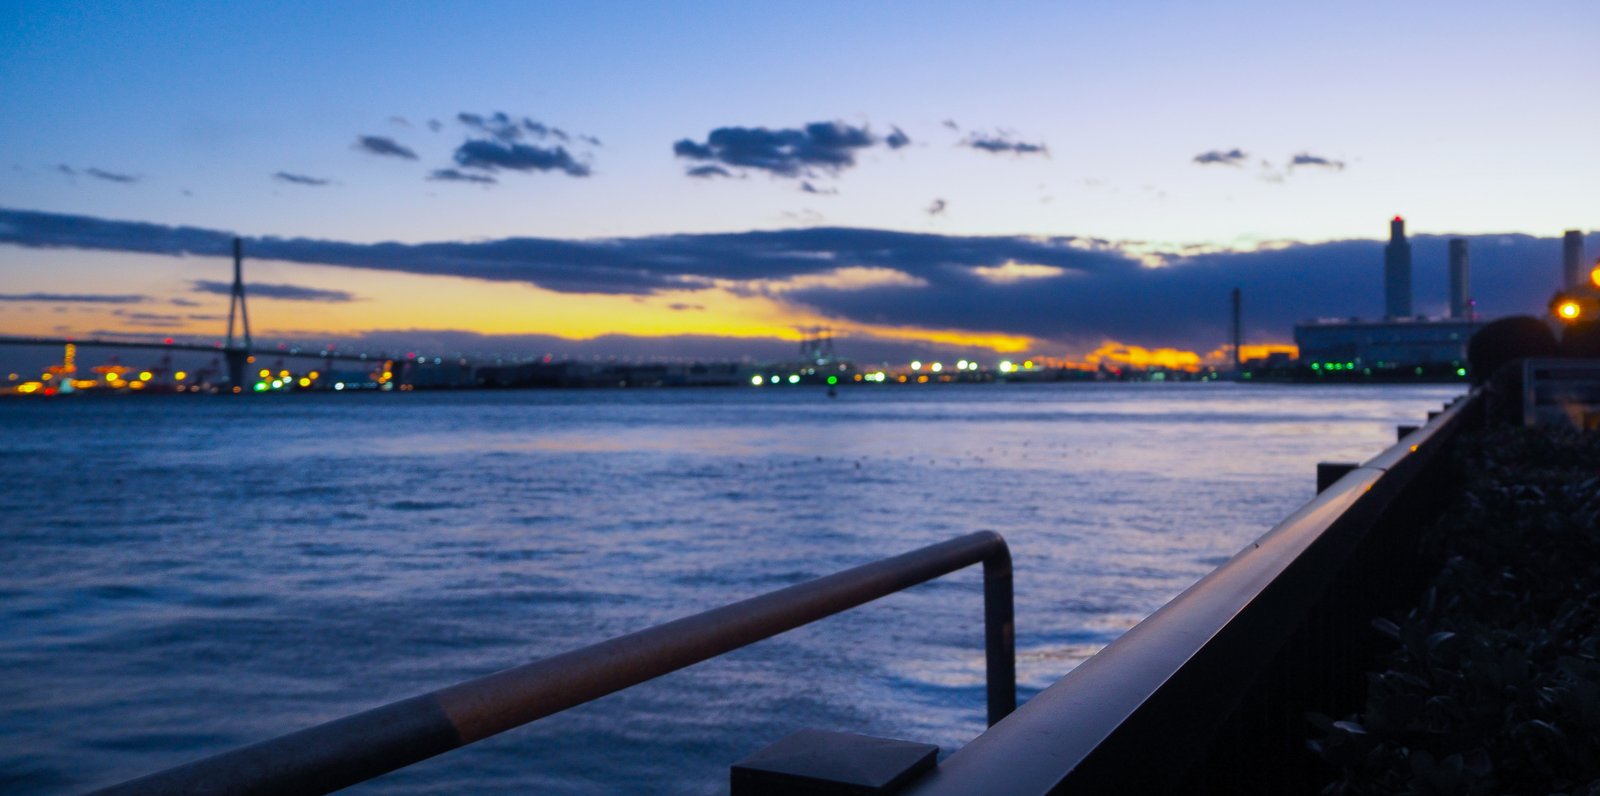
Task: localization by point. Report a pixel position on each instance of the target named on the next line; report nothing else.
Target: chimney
(1572, 260)
(1460, 283)
(1238, 357)
(1397, 272)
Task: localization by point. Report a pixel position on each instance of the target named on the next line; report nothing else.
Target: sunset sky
(705, 179)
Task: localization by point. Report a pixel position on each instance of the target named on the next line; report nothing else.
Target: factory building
(1386, 346)
(1400, 344)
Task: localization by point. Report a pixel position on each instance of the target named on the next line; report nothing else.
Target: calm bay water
(179, 576)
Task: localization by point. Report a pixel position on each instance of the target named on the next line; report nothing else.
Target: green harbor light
(833, 380)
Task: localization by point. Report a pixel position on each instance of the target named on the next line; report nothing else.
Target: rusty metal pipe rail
(356, 748)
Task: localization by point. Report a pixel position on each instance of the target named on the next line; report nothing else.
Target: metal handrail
(356, 748)
(1132, 717)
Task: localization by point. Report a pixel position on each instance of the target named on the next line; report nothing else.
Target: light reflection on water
(182, 576)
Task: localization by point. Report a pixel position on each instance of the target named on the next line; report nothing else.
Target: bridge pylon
(238, 352)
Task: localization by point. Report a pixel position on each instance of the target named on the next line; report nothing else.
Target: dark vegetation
(1507, 340)
(1492, 684)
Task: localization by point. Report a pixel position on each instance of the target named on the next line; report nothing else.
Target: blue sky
(1159, 125)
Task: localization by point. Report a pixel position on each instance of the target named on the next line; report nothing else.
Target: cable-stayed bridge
(238, 350)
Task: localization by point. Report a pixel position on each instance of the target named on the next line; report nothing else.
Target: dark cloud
(682, 307)
(148, 317)
(456, 175)
(496, 125)
(1232, 157)
(111, 176)
(937, 207)
(269, 291)
(507, 129)
(399, 121)
(689, 149)
(951, 124)
(1305, 159)
(500, 145)
(806, 186)
(1056, 289)
(121, 334)
(100, 174)
(183, 302)
(897, 138)
(301, 179)
(708, 171)
(383, 145)
(435, 125)
(542, 130)
(491, 155)
(827, 147)
(608, 348)
(1002, 144)
(75, 298)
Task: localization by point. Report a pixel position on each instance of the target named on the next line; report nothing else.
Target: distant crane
(817, 346)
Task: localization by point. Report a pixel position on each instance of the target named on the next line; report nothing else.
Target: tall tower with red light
(1397, 272)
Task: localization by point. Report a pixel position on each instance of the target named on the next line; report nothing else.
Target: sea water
(183, 575)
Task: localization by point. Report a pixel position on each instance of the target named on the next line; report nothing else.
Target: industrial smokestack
(1238, 357)
(1397, 272)
(1460, 284)
(1572, 260)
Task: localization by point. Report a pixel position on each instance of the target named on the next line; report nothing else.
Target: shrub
(1493, 682)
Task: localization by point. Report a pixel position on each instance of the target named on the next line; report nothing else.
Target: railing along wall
(356, 748)
(1209, 693)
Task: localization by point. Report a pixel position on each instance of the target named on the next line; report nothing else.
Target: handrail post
(356, 748)
(999, 634)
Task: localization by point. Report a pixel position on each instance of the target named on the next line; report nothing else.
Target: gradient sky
(1123, 135)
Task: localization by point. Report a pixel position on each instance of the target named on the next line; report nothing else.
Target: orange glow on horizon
(1113, 353)
(1249, 351)
(395, 302)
